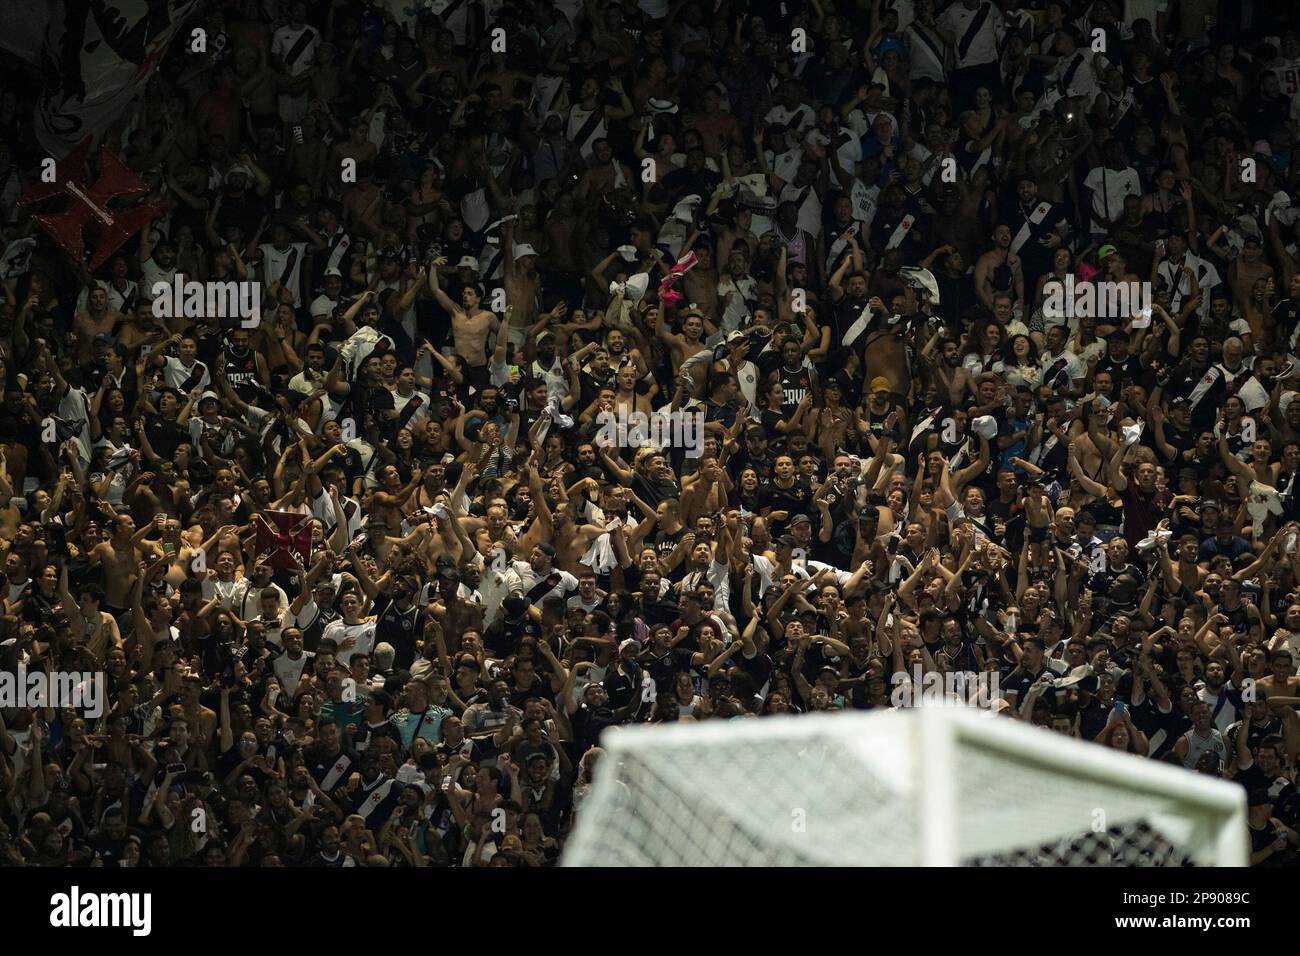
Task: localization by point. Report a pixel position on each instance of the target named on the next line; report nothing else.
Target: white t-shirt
(275, 262)
(152, 273)
(1109, 187)
(1207, 277)
(800, 119)
(983, 48)
(323, 306)
(286, 38)
(175, 374)
(287, 671)
(1074, 366)
(363, 634)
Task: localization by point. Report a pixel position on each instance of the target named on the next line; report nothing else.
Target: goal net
(928, 786)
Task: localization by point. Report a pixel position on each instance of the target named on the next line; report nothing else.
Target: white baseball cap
(523, 249)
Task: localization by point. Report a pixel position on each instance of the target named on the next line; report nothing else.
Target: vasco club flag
(96, 55)
(88, 205)
(283, 539)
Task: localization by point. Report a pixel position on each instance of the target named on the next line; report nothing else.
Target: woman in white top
(985, 352)
(1023, 366)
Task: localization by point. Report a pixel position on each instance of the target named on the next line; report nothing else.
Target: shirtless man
(604, 173)
(570, 540)
(471, 324)
(883, 349)
(947, 373)
(96, 627)
(98, 319)
(691, 340)
(141, 329)
(363, 207)
(456, 615)
(202, 720)
(523, 284)
(700, 285)
(120, 560)
(357, 146)
(563, 233)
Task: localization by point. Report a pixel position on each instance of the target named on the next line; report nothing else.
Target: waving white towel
(1263, 501)
(600, 556)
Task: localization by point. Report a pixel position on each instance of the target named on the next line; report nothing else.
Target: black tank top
(398, 628)
(241, 373)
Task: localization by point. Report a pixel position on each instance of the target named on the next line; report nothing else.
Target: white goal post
(936, 786)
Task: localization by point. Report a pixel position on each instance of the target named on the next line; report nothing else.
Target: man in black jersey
(242, 368)
(399, 619)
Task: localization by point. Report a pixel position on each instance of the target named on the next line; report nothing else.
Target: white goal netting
(929, 786)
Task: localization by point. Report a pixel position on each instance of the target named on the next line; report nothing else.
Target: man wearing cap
(546, 365)
(737, 362)
(1226, 541)
(323, 306)
(399, 618)
(540, 579)
(1272, 842)
(1173, 435)
(522, 282)
(1124, 368)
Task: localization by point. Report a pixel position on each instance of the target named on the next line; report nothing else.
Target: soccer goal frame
(932, 786)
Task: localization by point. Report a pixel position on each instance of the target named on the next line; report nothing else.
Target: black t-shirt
(795, 500)
(1128, 371)
(323, 767)
(665, 543)
(759, 668)
(1185, 379)
(398, 628)
(683, 182)
(1287, 316)
(621, 687)
(1020, 682)
(843, 314)
(244, 211)
(1092, 719)
(1149, 719)
(1262, 838)
(653, 490)
(587, 726)
(502, 638)
(1122, 588)
(520, 697)
(110, 851)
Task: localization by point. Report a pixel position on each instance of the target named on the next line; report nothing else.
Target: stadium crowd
(840, 232)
